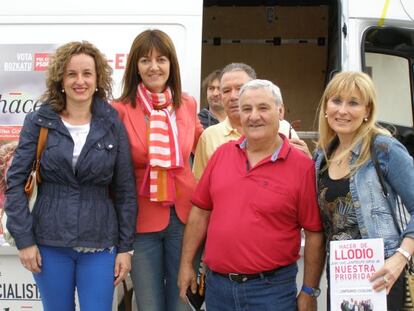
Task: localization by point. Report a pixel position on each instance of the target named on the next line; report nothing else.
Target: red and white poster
(18, 290)
(22, 76)
(352, 263)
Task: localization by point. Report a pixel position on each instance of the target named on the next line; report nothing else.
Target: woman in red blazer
(163, 130)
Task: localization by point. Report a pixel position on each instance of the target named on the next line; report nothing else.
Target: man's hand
(194, 233)
(30, 258)
(314, 259)
(186, 277)
(306, 302)
(122, 267)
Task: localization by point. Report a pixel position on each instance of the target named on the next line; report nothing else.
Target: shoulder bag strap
(40, 147)
(383, 186)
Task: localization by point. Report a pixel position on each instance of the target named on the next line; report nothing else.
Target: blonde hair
(349, 82)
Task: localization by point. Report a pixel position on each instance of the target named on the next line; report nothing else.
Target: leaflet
(352, 263)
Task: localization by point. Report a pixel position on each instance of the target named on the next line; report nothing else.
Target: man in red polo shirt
(255, 196)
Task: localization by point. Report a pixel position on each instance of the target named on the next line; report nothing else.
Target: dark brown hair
(215, 75)
(142, 46)
(57, 67)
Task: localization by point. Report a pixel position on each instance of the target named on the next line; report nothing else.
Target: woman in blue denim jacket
(349, 193)
(83, 222)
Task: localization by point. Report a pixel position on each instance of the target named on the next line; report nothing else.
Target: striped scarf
(163, 150)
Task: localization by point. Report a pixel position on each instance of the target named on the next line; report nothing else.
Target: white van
(298, 44)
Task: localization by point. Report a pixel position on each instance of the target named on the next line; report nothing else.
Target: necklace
(338, 162)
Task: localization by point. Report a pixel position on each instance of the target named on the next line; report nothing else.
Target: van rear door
(383, 32)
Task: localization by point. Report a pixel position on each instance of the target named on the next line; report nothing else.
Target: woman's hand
(301, 145)
(122, 267)
(31, 259)
(389, 273)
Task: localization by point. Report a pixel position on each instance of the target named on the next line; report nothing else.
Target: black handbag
(196, 300)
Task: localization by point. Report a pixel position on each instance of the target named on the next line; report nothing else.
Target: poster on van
(18, 290)
(22, 76)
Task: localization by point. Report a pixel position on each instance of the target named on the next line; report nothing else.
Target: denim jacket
(373, 210)
(93, 205)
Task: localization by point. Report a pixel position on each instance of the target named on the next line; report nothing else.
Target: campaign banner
(23, 81)
(18, 290)
(352, 263)
(22, 76)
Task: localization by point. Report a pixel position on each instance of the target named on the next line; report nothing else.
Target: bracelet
(404, 253)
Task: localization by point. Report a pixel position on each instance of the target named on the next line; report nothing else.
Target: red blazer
(152, 216)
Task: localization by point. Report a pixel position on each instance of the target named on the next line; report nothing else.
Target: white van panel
(359, 15)
(110, 27)
(115, 39)
(377, 9)
(392, 95)
(110, 8)
(20, 49)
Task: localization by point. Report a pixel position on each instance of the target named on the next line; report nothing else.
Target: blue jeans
(155, 266)
(63, 269)
(270, 293)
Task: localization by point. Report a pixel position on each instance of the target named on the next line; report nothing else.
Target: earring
(326, 115)
(63, 90)
(96, 90)
(365, 119)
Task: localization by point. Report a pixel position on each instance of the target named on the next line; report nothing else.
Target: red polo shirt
(256, 213)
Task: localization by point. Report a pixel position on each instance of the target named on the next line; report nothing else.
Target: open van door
(384, 33)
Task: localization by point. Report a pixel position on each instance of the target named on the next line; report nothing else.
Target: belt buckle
(239, 278)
